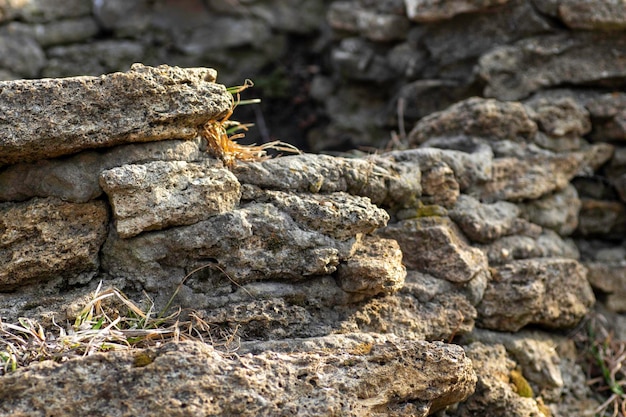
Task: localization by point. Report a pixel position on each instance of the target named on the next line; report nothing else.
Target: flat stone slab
(47, 238)
(338, 376)
(163, 194)
(47, 118)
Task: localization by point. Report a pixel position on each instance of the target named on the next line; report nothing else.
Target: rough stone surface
(550, 292)
(530, 177)
(546, 245)
(434, 10)
(557, 211)
(581, 14)
(608, 114)
(602, 218)
(262, 384)
(76, 179)
(144, 104)
(161, 194)
(486, 222)
(485, 118)
(375, 268)
(514, 72)
(436, 246)
(46, 238)
(495, 393)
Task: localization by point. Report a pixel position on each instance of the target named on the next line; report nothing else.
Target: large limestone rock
(514, 72)
(53, 117)
(550, 292)
(47, 238)
(436, 246)
(338, 375)
(161, 194)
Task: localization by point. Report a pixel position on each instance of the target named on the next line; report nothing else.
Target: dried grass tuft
(109, 321)
(221, 136)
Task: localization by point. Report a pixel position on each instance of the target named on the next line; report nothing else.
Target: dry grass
(109, 321)
(221, 136)
(603, 359)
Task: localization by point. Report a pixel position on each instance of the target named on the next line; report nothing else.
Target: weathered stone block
(550, 292)
(53, 117)
(161, 194)
(432, 11)
(45, 238)
(370, 375)
(436, 246)
(375, 268)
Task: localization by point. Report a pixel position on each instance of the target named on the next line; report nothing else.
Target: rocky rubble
(402, 283)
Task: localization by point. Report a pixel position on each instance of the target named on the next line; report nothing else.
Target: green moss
(522, 386)
(142, 359)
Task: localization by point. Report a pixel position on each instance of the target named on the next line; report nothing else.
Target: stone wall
(481, 234)
(369, 267)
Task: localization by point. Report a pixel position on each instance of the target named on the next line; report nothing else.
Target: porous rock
(581, 14)
(514, 72)
(76, 179)
(484, 118)
(339, 214)
(45, 238)
(495, 393)
(436, 246)
(563, 120)
(376, 178)
(486, 222)
(258, 241)
(557, 211)
(141, 105)
(551, 292)
(545, 245)
(529, 177)
(375, 268)
(161, 194)
(346, 380)
(608, 114)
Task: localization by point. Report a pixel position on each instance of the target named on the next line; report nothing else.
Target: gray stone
(381, 27)
(95, 58)
(610, 279)
(57, 33)
(602, 218)
(300, 17)
(529, 177)
(426, 376)
(486, 222)
(257, 242)
(343, 15)
(123, 17)
(558, 211)
(339, 215)
(608, 114)
(605, 15)
(550, 292)
(357, 59)
(448, 43)
(49, 10)
(535, 355)
(224, 32)
(21, 55)
(470, 160)
(436, 10)
(495, 393)
(160, 194)
(142, 105)
(485, 118)
(375, 268)
(435, 245)
(439, 186)
(514, 72)
(561, 118)
(75, 179)
(547, 245)
(47, 238)
(379, 179)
